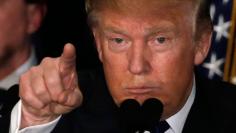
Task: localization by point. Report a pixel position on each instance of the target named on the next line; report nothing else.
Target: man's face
(149, 53)
(15, 26)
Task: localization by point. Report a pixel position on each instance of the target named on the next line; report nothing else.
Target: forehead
(154, 12)
(143, 6)
(144, 9)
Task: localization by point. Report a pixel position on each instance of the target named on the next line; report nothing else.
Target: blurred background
(221, 61)
(66, 22)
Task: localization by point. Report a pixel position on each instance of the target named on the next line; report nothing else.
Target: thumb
(67, 60)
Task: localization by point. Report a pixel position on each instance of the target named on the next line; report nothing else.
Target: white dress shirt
(13, 78)
(15, 123)
(176, 121)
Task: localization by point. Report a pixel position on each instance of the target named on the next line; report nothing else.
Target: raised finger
(67, 60)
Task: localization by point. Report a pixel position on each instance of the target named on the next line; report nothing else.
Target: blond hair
(203, 19)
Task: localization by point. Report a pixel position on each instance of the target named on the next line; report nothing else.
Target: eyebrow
(161, 29)
(114, 30)
(148, 31)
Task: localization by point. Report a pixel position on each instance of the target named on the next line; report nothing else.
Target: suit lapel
(204, 114)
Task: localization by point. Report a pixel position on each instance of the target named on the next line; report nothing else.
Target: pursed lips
(140, 90)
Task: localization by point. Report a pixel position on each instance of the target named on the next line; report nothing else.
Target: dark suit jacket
(213, 111)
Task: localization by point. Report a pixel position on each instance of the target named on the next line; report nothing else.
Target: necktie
(162, 127)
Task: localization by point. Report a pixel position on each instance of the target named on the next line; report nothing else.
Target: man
(19, 19)
(148, 50)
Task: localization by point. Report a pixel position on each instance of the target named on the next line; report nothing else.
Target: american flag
(221, 61)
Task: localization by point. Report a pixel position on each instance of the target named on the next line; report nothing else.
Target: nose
(139, 59)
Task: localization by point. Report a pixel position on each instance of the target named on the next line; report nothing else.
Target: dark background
(66, 22)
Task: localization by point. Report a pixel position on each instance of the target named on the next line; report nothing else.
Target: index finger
(68, 59)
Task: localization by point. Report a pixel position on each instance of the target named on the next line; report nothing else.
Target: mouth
(140, 90)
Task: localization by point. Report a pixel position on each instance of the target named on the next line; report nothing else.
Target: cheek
(175, 74)
(13, 26)
(11, 38)
(173, 64)
(115, 68)
(178, 65)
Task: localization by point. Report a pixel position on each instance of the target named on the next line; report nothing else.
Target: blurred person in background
(19, 20)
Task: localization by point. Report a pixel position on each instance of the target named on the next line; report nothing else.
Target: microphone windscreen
(129, 112)
(134, 117)
(151, 112)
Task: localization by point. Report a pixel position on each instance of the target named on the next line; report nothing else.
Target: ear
(202, 47)
(35, 14)
(98, 42)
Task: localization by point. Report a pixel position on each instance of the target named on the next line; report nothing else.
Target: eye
(161, 40)
(118, 44)
(117, 40)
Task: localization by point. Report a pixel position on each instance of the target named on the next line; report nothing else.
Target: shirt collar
(13, 78)
(177, 121)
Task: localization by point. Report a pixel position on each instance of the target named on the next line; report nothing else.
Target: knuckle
(34, 69)
(23, 77)
(39, 91)
(51, 81)
(74, 99)
(47, 60)
(26, 96)
(55, 95)
(42, 95)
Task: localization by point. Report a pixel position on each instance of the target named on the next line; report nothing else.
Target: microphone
(137, 119)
